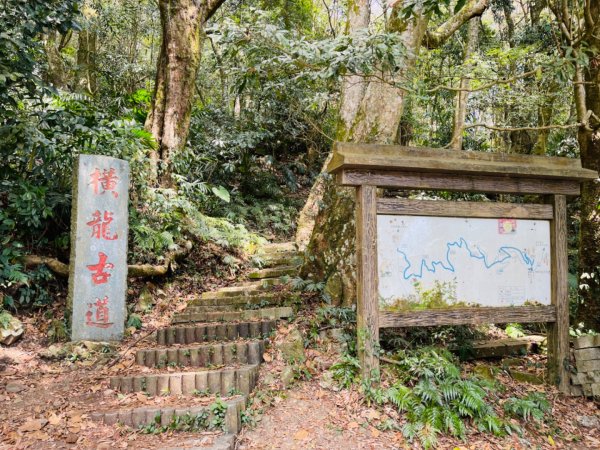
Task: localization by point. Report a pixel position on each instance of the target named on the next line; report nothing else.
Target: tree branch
(435, 38)
(211, 8)
(133, 270)
(544, 127)
(485, 86)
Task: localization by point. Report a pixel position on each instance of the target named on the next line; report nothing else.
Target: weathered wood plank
(558, 335)
(366, 281)
(453, 182)
(410, 207)
(466, 316)
(395, 157)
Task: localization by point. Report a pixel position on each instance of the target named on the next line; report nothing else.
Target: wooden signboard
(491, 262)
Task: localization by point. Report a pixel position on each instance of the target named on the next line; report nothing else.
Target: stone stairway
(217, 344)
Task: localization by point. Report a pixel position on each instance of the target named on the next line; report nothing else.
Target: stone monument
(98, 263)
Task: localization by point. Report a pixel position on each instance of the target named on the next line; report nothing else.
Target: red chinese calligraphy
(101, 226)
(107, 180)
(99, 276)
(100, 318)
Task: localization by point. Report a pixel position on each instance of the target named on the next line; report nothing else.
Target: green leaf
(222, 193)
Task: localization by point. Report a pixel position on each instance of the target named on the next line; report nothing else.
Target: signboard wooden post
(507, 261)
(98, 263)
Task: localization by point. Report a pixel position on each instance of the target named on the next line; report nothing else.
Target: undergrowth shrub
(428, 387)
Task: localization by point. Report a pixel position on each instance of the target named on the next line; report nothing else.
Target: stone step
(215, 332)
(280, 259)
(238, 292)
(274, 272)
(192, 314)
(249, 288)
(266, 283)
(225, 382)
(165, 416)
(224, 441)
(500, 348)
(243, 352)
(240, 301)
(278, 247)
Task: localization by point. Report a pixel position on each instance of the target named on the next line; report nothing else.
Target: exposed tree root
(133, 270)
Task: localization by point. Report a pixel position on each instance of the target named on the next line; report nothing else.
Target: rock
(100, 347)
(57, 331)
(485, 372)
(588, 421)
(287, 376)
(11, 329)
(587, 341)
(510, 362)
(268, 379)
(145, 300)
(14, 388)
(55, 351)
(327, 382)
(334, 289)
(526, 377)
(292, 347)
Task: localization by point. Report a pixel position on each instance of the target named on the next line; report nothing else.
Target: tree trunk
(371, 111)
(182, 23)
(86, 62)
(53, 44)
(589, 145)
(460, 111)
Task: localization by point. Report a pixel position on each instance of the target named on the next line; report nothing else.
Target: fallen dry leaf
(54, 420)
(353, 425)
(301, 435)
(33, 425)
(267, 357)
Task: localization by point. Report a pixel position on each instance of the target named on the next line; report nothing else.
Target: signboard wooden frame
(369, 167)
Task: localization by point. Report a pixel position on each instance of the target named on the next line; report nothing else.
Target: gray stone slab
(98, 263)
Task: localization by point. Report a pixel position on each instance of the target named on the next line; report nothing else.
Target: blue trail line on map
(503, 253)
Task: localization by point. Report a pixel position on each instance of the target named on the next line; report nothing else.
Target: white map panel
(487, 262)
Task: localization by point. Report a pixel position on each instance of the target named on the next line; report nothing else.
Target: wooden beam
(377, 157)
(453, 182)
(466, 316)
(409, 207)
(558, 335)
(366, 282)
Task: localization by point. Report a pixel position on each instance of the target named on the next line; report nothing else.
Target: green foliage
(514, 330)
(22, 23)
(185, 423)
(534, 406)
(218, 409)
(135, 321)
(346, 371)
(437, 400)
(5, 319)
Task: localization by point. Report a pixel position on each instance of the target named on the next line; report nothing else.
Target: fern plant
(534, 406)
(436, 400)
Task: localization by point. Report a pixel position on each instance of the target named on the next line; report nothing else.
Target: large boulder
(11, 329)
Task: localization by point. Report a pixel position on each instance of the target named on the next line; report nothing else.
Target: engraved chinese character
(107, 180)
(100, 316)
(98, 275)
(101, 226)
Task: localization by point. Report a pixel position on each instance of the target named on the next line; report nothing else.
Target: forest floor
(46, 404)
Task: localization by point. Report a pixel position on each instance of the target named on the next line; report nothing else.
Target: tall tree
(460, 110)
(580, 29)
(371, 111)
(182, 24)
